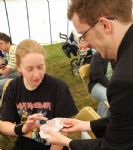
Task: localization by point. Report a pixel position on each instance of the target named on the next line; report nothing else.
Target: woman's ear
(18, 69)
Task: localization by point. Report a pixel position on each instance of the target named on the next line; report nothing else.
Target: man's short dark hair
(4, 37)
(89, 11)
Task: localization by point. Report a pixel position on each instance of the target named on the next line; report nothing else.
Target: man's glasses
(84, 35)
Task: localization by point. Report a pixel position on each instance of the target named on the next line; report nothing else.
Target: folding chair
(87, 114)
(3, 90)
(84, 72)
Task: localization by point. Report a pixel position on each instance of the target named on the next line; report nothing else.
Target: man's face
(3, 45)
(92, 36)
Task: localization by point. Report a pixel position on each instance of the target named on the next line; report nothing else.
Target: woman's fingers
(36, 117)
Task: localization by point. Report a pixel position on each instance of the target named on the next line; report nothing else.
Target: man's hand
(56, 138)
(75, 125)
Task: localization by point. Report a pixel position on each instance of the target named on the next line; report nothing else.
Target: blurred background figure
(7, 59)
(98, 82)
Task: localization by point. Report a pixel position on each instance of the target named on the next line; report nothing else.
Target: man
(107, 26)
(1, 59)
(10, 70)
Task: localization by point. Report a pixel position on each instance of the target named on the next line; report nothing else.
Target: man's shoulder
(12, 49)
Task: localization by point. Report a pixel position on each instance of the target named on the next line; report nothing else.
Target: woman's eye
(29, 69)
(40, 67)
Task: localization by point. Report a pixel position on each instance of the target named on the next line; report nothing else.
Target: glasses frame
(84, 35)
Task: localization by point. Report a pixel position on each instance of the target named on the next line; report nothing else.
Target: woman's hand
(31, 122)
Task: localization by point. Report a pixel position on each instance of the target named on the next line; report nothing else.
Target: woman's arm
(7, 128)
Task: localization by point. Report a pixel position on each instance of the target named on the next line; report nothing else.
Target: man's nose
(87, 44)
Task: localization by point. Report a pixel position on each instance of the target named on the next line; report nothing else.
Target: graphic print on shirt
(25, 109)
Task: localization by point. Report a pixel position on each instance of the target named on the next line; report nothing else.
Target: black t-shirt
(51, 98)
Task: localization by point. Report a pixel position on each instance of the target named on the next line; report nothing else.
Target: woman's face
(32, 67)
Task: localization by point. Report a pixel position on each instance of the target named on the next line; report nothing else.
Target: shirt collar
(127, 40)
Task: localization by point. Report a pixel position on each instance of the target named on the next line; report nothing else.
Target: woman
(33, 97)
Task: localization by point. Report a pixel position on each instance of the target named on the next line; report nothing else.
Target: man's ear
(107, 24)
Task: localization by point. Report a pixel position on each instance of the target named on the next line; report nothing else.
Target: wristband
(18, 129)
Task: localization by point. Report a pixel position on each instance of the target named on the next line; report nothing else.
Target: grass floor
(59, 65)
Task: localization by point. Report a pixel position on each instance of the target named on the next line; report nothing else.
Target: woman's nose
(35, 72)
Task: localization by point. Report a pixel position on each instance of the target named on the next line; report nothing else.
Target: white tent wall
(46, 19)
(58, 20)
(17, 20)
(3, 21)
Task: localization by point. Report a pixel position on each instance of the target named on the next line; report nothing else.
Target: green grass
(59, 65)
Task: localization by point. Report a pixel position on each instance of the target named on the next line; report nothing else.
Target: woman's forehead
(32, 58)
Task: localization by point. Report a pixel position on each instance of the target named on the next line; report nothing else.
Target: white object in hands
(55, 124)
